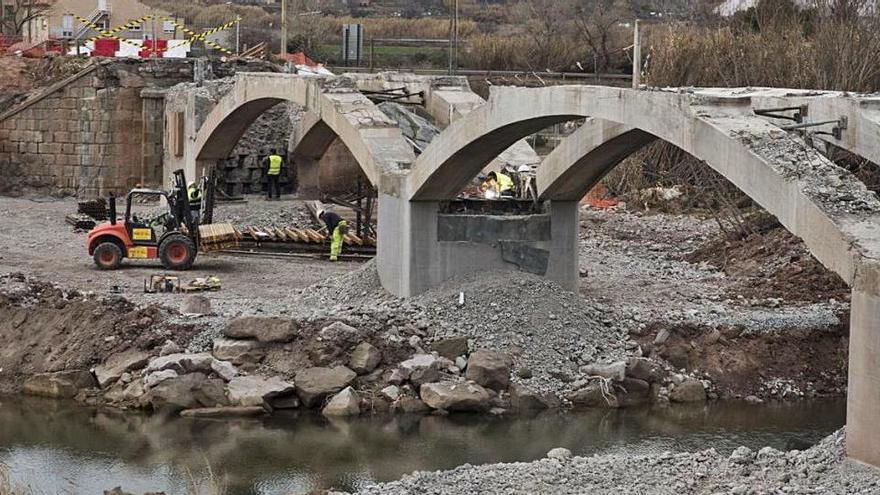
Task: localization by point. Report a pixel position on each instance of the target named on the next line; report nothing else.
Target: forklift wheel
(108, 256)
(177, 252)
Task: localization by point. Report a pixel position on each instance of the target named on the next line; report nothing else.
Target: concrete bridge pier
(863, 391)
(420, 247)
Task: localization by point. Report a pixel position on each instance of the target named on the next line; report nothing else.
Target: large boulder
(194, 304)
(121, 394)
(592, 396)
(261, 329)
(612, 371)
(182, 363)
(421, 368)
(239, 352)
(345, 403)
(224, 412)
(113, 368)
(644, 369)
(452, 347)
(191, 391)
(256, 390)
(313, 385)
(60, 384)
(524, 399)
(364, 358)
(489, 369)
(632, 392)
(690, 390)
(455, 396)
(157, 377)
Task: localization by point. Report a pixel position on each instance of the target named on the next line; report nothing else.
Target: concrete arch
(373, 139)
(833, 212)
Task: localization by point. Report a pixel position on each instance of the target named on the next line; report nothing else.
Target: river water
(57, 447)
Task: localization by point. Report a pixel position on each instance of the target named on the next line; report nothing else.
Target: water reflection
(62, 448)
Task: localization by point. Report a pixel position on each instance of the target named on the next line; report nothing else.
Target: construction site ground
(645, 279)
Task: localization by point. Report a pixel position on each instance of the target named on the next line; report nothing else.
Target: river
(59, 447)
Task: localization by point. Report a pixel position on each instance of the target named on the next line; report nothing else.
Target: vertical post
(238, 36)
(372, 51)
(455, 38)
(637, 56)
(283, 26)
(863, 390)
(451, 49)
(360, 193)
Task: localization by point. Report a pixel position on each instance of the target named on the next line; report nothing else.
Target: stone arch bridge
(419, 246)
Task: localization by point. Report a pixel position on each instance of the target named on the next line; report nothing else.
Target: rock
(256, 390)
(391, 392)
(452, 396)
(489, 369)
(690, 390)
(194, 304)
(524, 373)
(345, 403)
(364, 358)
(60, 384)
(224, 412)
(313, 385)
(753, 399)
(157, 377)
(451, 348)
(339, 333)
(633, 393)
(742, 455)
(410, 405)
(116, 365)
(644, 369)
(421, 368)
(182, 363)
(662, 337)
(524, 399)
(560, 454)
(592, 396)
(224, 369)
(283, 402)
(191, 391)
(170, 347)
(461, 362)
(614, 371)
(398, 376)
(239, 352)
(261, 329)
(122, 394)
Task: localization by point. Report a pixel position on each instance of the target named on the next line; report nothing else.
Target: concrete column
(307, 177)
(564, 223)
(863, 392)
(406, 243)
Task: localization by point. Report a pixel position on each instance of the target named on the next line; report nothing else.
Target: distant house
(62, 20)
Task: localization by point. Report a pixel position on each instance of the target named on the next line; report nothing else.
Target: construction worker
(194, 195)
(336, 228)
(273, 164)
(502, 183)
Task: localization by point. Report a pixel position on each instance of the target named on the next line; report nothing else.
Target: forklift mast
(179, 199)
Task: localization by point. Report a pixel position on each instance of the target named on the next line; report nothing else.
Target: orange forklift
(172, 237)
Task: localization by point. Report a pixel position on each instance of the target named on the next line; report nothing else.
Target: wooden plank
(293, 235)
(279, 234)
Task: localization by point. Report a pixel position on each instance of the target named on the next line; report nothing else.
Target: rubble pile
(820, 469)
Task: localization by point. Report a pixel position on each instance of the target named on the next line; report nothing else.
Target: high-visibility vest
(505, 183)
(274, 165)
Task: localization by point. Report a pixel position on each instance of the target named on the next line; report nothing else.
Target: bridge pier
(420, 247)
(863, 391)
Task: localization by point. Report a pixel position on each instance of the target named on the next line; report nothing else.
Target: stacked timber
(291, 235)
(217, 236)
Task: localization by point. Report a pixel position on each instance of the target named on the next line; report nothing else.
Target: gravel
(820, 469)
(259, 212)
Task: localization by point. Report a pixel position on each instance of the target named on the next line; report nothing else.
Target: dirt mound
(770, 262)
(44, 328)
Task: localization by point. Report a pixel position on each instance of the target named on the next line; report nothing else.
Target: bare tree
(598, 22)
(16, 14)
(546, 26)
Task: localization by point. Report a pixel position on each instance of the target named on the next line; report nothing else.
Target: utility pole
(637, 56)
(238, 36)
(283, 26)
(455, 59)
(453, 37)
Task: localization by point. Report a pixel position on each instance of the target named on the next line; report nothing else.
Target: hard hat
(524, 168)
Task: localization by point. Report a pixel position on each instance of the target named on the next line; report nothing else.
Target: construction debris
(202, 284)
(95, 208)
(80, 221)
(162, 284)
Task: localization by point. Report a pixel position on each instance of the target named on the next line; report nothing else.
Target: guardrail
(486, 73)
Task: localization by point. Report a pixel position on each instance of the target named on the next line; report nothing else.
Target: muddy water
(62, 448)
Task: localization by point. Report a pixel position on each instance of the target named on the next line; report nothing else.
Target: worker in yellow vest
(273, 165)
(336, 229)
(194, 196)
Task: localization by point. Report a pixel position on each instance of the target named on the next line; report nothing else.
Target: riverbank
(653, 323)
(819, 469)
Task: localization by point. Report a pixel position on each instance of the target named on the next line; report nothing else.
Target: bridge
(737, 132)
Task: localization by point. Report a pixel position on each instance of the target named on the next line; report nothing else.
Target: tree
(598, 23)
(16, 14)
